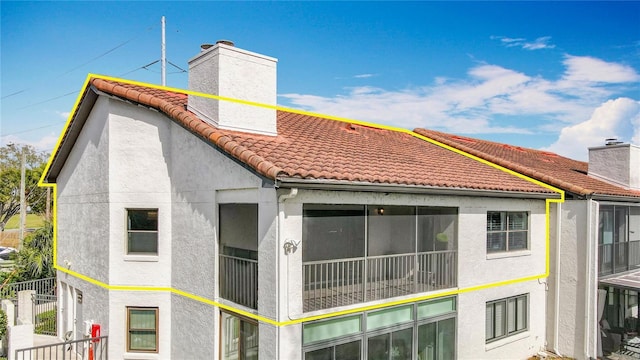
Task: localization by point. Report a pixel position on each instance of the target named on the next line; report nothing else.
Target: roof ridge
(195, 124)
(436, 135)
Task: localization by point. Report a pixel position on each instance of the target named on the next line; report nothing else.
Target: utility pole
(23, 200)
(163, 58)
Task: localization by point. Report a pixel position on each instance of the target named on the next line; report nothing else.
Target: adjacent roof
(564, 173)
(319, 150)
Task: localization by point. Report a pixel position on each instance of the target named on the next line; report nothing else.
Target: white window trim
(140, 256)
(507, 252)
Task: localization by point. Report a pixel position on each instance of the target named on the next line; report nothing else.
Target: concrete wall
(618, 164)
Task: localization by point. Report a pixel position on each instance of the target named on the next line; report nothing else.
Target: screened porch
(357, 253)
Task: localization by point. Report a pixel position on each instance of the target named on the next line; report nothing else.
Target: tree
(10, 166)
(35, 260)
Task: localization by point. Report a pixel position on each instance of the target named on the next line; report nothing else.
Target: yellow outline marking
(301, 112)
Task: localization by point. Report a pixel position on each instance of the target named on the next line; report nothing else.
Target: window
(507, 231)
(142, 329)
(506, 317)
(239, 338)
(142, 231)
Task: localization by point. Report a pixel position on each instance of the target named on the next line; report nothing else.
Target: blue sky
(560, 76)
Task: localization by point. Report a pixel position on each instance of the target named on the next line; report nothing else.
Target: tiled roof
(311, 148)
(553, 169)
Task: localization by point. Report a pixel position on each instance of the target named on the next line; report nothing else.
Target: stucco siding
(82, 200)
(195, 329)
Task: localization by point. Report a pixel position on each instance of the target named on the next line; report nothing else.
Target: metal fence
(340, 282)
(44, 314)
(94, 349)
(42, 287)
(239, 280)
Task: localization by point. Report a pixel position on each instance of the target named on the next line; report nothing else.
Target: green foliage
(46, 323)
(33, 221)
(35, 260)
(10, 166)
(3, 324)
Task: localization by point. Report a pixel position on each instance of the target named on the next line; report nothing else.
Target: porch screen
(332, 231)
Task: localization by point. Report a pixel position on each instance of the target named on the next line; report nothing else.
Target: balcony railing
(332, 283)
(239, 280)
(618, 257)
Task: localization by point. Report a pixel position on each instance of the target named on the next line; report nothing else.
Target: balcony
(332, 283)
(239, 280)
(618, 257)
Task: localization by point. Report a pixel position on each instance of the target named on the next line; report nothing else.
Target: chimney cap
(225, 42)
(612, 141)
(204, 47)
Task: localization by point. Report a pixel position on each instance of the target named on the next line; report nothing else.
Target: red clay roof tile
(314, 148)
(553, 169)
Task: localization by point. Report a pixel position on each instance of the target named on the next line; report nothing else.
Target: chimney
(225, 70)
(616, 163)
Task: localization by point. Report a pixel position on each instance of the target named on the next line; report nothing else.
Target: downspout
(293, 193)
(588, 283)
(556, 324)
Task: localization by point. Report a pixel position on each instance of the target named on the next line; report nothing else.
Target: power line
(83, 64)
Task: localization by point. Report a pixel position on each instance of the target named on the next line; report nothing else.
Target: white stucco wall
(618, 164)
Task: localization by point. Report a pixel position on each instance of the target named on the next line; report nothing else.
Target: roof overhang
(71, 133)
(628, 280)
(322, 184)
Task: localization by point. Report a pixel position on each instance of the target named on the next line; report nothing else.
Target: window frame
(505, 229)
(129, 329)
(505, 315)
(130, 231)
(241, 319)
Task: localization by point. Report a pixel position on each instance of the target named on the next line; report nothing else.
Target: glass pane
(518, 240)
(142, 340)
(320, 354)
(249, 340)
(348, 351)
(141, 319)
(391, 230)
(401, 344)
(436, 307)
(518, 221)
(511, 315)
(496, 242)
(496, 221)
(378, 347)
(446, 339)
(332, 231)
(142, 242)
(489, 331)
(605, 231)
(331, 329)
(230, 336)
(427, 342)
(437, 228)
(388, 317)
(500, 314)
(142, 219)
(521, 314)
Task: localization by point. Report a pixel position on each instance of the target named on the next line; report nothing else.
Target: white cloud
(537, 44)
(619, 118)
(363, 76)
(63, 114)
(45, 143)
(582, 69)
(489, 94)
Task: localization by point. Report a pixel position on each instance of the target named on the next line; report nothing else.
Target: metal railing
(42, 287)
(332, 283)
(94, 348)
(239, 280)
(44, 314)
(618, 257)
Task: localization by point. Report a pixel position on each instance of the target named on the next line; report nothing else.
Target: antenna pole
(164, 56)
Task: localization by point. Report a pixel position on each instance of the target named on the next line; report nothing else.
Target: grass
(46, 323)
(33, 221)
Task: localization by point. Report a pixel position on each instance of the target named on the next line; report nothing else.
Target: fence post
(25, 307)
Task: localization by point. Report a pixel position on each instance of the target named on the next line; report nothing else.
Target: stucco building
(190, 227)
(595, 240)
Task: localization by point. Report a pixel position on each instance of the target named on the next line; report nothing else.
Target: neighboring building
(192, 228)
(595, 237)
